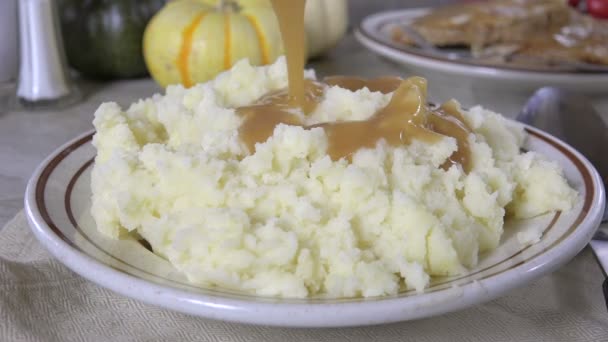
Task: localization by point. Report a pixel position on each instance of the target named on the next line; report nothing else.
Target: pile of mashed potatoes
(287, 220)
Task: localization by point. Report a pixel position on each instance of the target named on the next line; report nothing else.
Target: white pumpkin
(326, 22)
(191, 41)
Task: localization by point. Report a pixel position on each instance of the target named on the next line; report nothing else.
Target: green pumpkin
(103, 38)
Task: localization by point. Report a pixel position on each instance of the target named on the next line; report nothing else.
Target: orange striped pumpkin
(191, 41)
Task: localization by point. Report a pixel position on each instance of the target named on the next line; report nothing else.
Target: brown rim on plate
(55, 161)
(419, 53)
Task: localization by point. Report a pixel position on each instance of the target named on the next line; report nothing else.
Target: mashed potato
(287, 220)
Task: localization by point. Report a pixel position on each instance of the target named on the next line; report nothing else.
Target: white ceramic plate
(58, 200)
(374, 33)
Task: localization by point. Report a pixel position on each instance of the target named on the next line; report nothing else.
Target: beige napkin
(41, 300)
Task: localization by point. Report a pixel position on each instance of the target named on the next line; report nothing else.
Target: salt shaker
(43, 79)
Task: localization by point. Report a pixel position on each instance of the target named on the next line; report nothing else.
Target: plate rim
(364, 312)
(367, 38)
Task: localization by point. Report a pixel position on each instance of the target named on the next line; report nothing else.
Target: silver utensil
(571, 117)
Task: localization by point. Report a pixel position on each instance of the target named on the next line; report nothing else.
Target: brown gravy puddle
(406, 117)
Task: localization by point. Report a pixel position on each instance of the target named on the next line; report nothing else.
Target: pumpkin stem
(229, 6)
